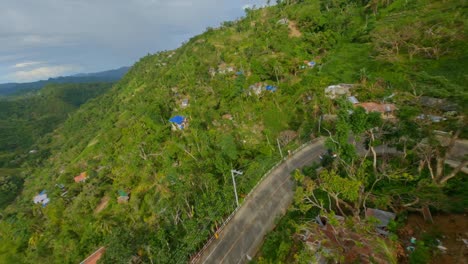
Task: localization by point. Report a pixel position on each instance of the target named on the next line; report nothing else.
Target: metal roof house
(383, 217)
(227, 116)
(283, 21)
(184, 103)
(376, 107)
(335, 91)
(178, 122)
(256, 89)
(41, 198)
(123, 197)
(433, 118)
(271, 88)
(310, 64)
(437, 103)
(353, 100)
(94, 258)
(224, 68)
(81, 178)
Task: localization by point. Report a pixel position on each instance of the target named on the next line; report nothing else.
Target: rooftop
(376, 107)
(384, 217)
(94, 258)
(81, 177)
(177, 119)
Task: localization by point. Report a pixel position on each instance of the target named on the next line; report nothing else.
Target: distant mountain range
(104, 76)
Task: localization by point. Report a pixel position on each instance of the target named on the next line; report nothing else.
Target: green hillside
(25, 119)
(18, 89)
(178, 181)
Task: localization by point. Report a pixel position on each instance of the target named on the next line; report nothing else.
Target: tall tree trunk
(371, 147)
(442, 158)
(429, 166)
(440, 163)
(422, 163)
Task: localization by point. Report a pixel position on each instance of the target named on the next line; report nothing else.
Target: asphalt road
(243, 235)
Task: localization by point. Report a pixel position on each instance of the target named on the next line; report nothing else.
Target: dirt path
(102, 204)
(293, 30)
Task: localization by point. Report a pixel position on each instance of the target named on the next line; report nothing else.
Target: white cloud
(102, 34)
(26, 64)
(41, 40)
(11, 57)
(43, 72)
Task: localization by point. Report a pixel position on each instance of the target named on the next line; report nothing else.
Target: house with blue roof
(311, 64)
(259, 88)
(271, 88)
(178, 122)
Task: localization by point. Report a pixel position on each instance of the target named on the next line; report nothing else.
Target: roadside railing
(195, 258)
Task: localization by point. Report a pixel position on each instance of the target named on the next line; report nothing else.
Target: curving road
(243, 235)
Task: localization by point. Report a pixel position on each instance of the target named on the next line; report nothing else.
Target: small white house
(334, 91)
(433, 118)
(283, 21)
(41, 198)
(184, 103)
(256, 89)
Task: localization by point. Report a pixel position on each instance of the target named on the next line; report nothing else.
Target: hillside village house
(212, 72)
(258, 88)
(432, 118)
(41, 198)
(310, 64)
(353, 100)
(94, 258)
(283, 21)
(178, 122)
(335, 91)
(123, 197)
(223, 68)
(81, 178)
(184, 103)
(437, 104)
(385, 109)
(271, 88)
(383, 218)
(227, 116)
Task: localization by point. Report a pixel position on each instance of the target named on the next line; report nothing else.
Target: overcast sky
(48, 38)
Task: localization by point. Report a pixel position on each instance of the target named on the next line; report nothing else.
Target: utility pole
(279, 147)
(320, 125)
(234, 183)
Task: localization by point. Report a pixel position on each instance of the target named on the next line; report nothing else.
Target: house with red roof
(94, 258)
(385, 109)
(82, 177)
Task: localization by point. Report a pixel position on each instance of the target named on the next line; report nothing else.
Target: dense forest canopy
(25, 119)
(239, 87)
(16, 89)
